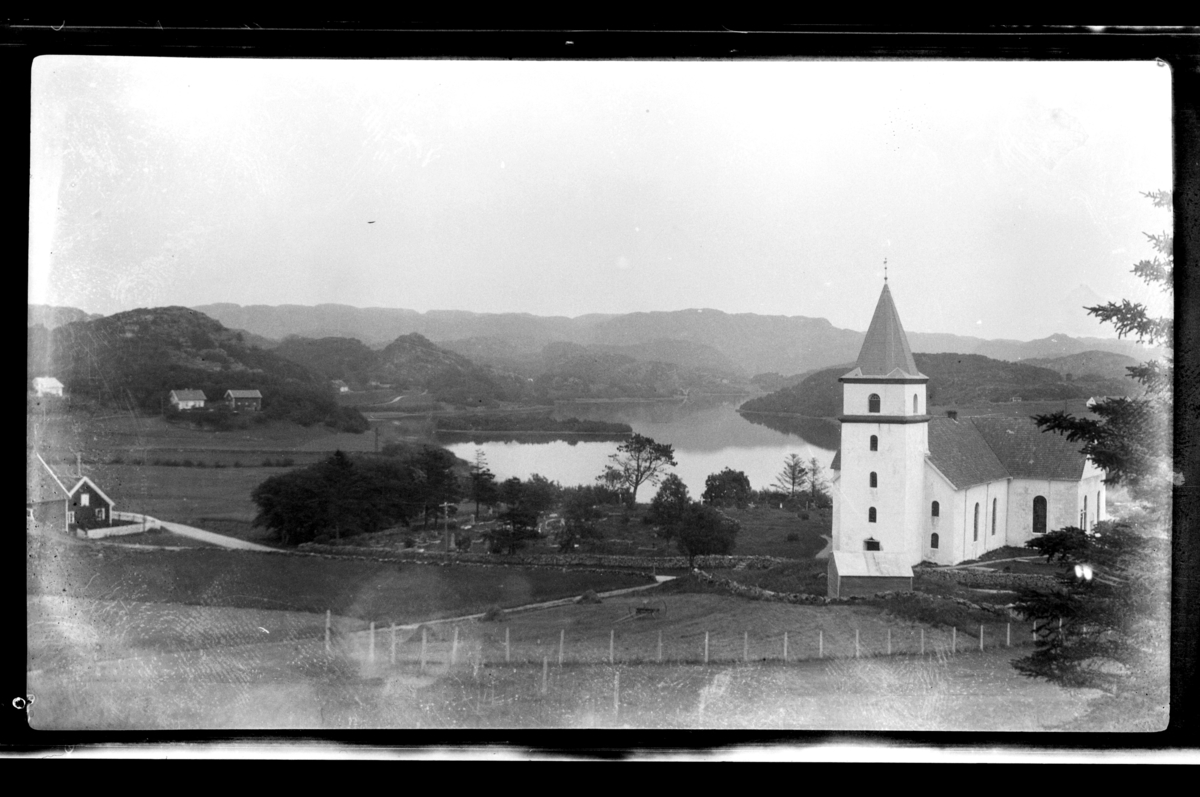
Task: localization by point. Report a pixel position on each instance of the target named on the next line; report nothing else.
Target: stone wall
(991, 579)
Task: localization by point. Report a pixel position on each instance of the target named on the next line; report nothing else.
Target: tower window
(871, 515)
(914, 403)
(933, 540)
(1039, 514)
(936, 511)
(976, 520)
(993, 517)
(874, 479)
(873, 402)
(874, 443)
(871, 544)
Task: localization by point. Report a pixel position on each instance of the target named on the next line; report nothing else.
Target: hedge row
(552, 560)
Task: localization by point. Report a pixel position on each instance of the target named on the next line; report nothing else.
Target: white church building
(909, 487)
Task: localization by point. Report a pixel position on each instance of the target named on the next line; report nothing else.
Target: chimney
(952, 414)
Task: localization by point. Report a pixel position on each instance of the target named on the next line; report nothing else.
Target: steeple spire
(885, 348)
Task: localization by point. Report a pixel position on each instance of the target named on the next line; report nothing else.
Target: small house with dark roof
(243, 400)
(908, 487)
(187, 399)
(90, 507)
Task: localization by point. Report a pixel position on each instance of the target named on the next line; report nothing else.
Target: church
(909, 487)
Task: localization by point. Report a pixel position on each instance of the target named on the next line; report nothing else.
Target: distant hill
(1089, 364)
(954, 379)
(51, 317)
(752, 343)
(346, 359)
(134, 359)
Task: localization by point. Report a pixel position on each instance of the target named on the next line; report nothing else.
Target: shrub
(804, 516)
(237, 463)
(793, 537)
(589, 597)
(187, 463)
(218, 464)
(492, 615)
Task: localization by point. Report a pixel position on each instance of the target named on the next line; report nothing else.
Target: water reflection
(707, 433)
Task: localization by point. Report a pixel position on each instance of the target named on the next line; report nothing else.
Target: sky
(1003, 195)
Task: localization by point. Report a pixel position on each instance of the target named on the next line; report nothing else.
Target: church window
(1039, 514)
(937, 510)
(976, 521)
(1098, 518)
(1085, 524)
(993, 517)
(933, 540)
(871, 544)
(874, 443)
(914, 403)
(873, 402)
(874, 479)
(871, 515)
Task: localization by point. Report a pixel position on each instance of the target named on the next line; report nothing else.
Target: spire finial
(885, 269)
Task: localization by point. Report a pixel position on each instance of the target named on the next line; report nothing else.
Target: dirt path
(195, 533)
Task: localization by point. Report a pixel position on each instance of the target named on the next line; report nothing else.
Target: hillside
(1088, 365)
(954, 379)
(753, 343)
(134, 359)
(51, 317)
(331, 358)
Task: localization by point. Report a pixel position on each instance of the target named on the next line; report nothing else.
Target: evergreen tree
(669, 505)
(790, 480)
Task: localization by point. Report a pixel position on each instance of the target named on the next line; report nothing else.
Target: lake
(707, 434)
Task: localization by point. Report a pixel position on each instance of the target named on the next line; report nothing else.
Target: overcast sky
(994, 190)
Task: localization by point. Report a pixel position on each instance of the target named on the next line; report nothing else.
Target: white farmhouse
(908, 487)
(188, 399)
(47, 386)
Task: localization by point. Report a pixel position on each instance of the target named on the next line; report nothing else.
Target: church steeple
(885, 348)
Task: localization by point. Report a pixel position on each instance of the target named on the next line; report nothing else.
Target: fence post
(423, 648)
(889, 641)
(327, 623)
(922, 641)
(371, 650)
(1035, 632)
(1008, 636)
(393, 643)
(660, 646)
(454, 648)
(562, 636)
(507, 650)
(616, 694)
(954, 639)
(745, 647)
(981, 637)
(612, 637)
(785, 647)
(545, 672)
(820, 644)
(706, 647)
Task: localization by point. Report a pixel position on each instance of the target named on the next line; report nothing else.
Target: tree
(638, 461)
(791, 479)
(481, 484)
(816, 482)
(727, 488)
(705, 531)
(581, 517)
(1113, 602)
(670, 504)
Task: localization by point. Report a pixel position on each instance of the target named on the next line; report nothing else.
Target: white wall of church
(894, 398)
(1064, 499)
(949, 501)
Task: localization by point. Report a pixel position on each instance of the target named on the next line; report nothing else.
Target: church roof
(885, 349)
(960, 452)
(1028, 452)
(982, 449)
(837, 460)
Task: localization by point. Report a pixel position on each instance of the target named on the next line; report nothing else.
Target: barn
(187, 399)
(859, 573)
(243, 400)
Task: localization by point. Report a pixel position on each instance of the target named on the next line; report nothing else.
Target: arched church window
(873, 402)
(874, 479)
(936, 511)
(1085, 521)
(993, 517)
(933, 540)
(914, 403)
(874, 443)
(871, 515)
(976, 520)
(1039, 514)
(871, 544)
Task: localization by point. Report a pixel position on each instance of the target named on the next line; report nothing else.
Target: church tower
(878, 486)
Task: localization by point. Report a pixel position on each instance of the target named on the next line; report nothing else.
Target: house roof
(243, 394)
(960, 452)
(837, 460)
(885, 349)
(94, 486)
(871, 563)
(189, 395)
(1028, 452)
(42, 483)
